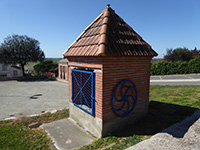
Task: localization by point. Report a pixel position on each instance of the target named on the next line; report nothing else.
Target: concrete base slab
(88, 122)
(67, 135)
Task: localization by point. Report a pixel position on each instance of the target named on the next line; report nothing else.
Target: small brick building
(108, 60)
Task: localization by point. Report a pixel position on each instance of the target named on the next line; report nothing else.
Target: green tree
(20, 49)
(46, 66)
(178, 54)
(195, 52)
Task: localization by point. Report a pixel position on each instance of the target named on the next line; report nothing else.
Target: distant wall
(63, 72)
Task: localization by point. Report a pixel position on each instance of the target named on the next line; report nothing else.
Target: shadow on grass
(178, 130)
(160, 116)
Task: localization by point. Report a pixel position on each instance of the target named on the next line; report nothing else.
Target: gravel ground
(181, 136)
(33, 97)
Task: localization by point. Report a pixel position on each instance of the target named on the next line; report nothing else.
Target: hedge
(178, 67)
(194, 65)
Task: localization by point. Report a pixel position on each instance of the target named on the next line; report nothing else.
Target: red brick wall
(90, 62)
(70, 85)
(114, 69)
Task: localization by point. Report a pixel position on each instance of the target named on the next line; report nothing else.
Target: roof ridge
(103, 42)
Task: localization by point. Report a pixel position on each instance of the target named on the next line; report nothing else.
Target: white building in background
(10, 71)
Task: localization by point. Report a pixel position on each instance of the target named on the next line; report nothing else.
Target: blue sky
(57, 23)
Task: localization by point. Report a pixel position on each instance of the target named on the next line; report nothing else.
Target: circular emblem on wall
(124, 98)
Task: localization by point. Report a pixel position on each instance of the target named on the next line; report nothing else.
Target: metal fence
(83, 90)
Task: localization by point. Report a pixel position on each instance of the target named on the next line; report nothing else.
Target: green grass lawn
(168, 105)
(178, 95)
(17, 136)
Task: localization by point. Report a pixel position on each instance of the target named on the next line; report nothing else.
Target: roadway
(193, 79)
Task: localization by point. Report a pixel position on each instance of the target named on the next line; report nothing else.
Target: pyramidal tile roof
(109, 35)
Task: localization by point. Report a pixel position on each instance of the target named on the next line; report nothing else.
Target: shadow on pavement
(160, 116)
(30, 79)
(35, 96)
(35, 79)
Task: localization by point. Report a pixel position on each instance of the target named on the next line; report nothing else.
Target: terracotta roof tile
(109, 35)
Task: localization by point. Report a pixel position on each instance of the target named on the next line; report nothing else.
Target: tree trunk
(22, 66)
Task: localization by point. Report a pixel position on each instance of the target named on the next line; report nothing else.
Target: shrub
(182, 67)
(159, 68)
(194, 65)
(167, 68)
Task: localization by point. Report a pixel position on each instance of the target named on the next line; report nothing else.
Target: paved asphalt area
(176, 80)
(26, 98)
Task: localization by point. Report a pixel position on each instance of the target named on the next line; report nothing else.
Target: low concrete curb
(180, 136)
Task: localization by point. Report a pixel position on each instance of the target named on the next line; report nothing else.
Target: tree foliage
(46, 66)
(181, 54)
(20, 49)
(195, 53)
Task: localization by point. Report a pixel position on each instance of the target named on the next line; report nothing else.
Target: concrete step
(67, 135)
